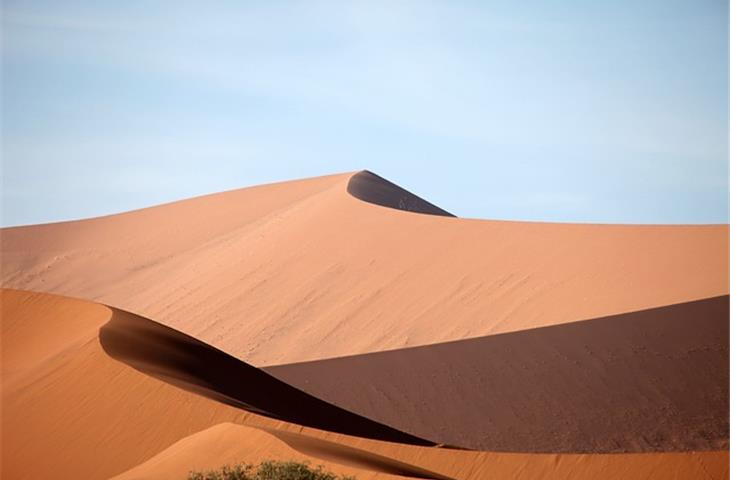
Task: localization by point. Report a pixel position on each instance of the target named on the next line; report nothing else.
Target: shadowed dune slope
(77, 413)
(179, 359)
(373, 188)
(229, 443)
(304, 270)
(74, 412)
(654, 380)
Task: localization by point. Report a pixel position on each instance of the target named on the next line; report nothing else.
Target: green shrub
(236, 472)
(269, 470)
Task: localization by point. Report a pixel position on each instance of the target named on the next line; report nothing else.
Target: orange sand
(229, 444)
(70, 411)
(303, 270)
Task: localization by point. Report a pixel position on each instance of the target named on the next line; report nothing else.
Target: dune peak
(372, 188)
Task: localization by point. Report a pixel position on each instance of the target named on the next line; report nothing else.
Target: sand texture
(304, 270)
(347, 322)
(79, 413)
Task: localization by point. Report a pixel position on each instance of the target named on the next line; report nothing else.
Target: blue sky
(610, 112)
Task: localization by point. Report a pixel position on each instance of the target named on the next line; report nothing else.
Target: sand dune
(78, 413)
(373, 188)
(235, 443)
(181, 360)
(304, 270)
(227, 444)
(414, 327)
(654, 380)
(79, 400)
(230, 443)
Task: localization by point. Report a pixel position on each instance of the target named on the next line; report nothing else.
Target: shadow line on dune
(183, 361)
(653, 380)
(372, 188)
(351, 456)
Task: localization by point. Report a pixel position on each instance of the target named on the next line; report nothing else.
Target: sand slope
(582, 338)
(305, 270)
(654, 380)
(230, 444)
(183, 361)
(78, 413)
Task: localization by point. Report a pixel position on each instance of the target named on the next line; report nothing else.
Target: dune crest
(463, 332)
(372, 188)
(190, 364)
(59, 410)
(81, 400)
(304, 270)
(232, 444)
(229, 443)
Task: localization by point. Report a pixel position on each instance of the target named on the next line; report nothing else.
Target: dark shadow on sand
(373, 188)
(181, 360)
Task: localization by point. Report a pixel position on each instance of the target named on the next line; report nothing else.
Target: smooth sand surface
(304, 270)
(181, 360)
(230, 444)
(654, 380)
(75, 412)
(78, 413)
(567, 352)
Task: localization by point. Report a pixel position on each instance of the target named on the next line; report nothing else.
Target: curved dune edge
(181, 360)
(74, 412)
(372, 188)
(347, 455)
(78, 413)
(81, 414)
(303, 270)
(228, 444)
(649, 381)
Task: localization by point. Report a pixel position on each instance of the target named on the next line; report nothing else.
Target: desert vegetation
(268, 470)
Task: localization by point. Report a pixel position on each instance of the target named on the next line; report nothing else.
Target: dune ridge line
(186, 362)
(304, 270)
(372, 188)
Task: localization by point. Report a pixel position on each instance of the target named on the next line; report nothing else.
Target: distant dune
(304, 270)
(373, 188)
(346, 321)
(74, 412)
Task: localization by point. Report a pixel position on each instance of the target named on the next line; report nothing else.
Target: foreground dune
(70, 410)
(334, 266)
(181, 360)
(74, 412)
(75, 396)
(230, 444)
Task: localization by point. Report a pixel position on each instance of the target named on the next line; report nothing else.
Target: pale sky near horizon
(581, 111)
